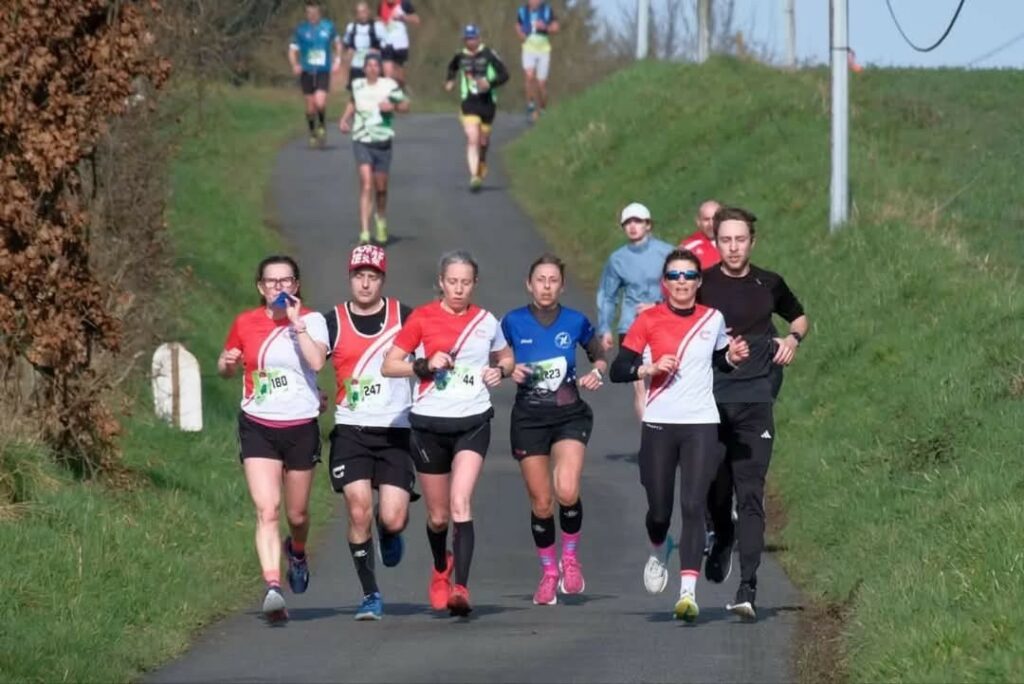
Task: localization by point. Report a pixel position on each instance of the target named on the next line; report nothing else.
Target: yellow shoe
(686, 608)
(475, 183)
(381, 235)
(364, 237)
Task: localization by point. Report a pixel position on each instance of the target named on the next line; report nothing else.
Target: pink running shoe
(546, 594)
(572, 576)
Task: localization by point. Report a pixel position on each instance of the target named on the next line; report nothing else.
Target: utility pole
(840, 203)
(791, 33)
(643, 17)
(703, 30)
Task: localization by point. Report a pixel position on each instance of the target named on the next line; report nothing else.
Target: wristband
(299, 331)
(796, 336)
(421, 367)
(597, 372)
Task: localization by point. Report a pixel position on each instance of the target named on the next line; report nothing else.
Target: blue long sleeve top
(634, 270)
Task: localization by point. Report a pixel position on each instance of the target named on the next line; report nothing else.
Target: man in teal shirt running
(314, 54)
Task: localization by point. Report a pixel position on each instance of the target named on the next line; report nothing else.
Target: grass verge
(103, 582)
(900, 423)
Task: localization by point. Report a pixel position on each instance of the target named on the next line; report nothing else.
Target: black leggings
(694, 450)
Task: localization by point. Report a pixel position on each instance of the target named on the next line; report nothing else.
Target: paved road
(615, 632)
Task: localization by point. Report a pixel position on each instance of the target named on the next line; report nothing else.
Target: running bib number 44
(459, 382)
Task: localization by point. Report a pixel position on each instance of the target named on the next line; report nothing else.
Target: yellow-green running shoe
(686, 607)
(364, 237)
(381, 235)
(475, 183)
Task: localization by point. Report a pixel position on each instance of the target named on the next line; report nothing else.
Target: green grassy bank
(900, 424)
(101, 582)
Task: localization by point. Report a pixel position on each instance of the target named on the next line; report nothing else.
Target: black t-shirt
(366, 325)
(748, 304)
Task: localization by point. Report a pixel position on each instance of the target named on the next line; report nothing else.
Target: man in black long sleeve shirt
(479, 71)
(748, 297)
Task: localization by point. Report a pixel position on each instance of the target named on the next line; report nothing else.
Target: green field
(900, 424)
(101, 582)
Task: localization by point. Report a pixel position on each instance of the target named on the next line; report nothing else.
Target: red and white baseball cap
(368, 256)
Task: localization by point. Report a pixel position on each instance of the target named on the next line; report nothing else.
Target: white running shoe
(656, 572)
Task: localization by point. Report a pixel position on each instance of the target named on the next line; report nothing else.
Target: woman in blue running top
(550, 421)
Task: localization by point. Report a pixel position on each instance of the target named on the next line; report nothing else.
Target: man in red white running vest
(702, 242)
(370, 440)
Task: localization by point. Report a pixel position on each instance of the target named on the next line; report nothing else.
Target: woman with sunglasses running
(680, 421)
(551, 423)
(280, 346)
(464, 354)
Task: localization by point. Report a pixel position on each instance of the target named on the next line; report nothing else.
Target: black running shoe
(718, 565)
(744, 605)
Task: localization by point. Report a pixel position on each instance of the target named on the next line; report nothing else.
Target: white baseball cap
(635, 210)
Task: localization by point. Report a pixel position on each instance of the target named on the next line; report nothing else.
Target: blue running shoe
(392, 546)
(372, 607)
(298, 569)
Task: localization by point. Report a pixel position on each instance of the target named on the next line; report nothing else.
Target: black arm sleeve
(595, 350)
(625, 366)
(501, 72)
(720, 362)
(786, 303)
(332, 329)
(453, 67)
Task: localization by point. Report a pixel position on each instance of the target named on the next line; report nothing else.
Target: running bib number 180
(269, 383)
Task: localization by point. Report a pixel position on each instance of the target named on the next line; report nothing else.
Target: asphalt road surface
(615, 632)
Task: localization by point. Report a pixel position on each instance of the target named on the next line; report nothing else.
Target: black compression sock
(320, 116)
(462, 545)
(483, 152)
(571, 517)
(439, 547)
(543, 531)
(362, 557)
(311, 122)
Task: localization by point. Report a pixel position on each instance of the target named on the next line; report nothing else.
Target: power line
(996, 50)
(952, 22)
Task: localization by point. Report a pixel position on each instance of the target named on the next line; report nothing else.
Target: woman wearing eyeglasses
(680, 420)
(280, 346)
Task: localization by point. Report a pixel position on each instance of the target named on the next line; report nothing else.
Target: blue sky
(984, 25)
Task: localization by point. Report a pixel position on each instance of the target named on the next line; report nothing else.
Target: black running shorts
(534, 431)
(399, 57)
(297, 447)
(475, 108)
(377, 454)
(311, 81)
(435, 441)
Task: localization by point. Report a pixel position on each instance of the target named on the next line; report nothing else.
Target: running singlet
(536, 40)
(277, 385)
(365, 397)
(397, 31)
(470, 339)
(702, 248)
(550, 351)
(371, 125)
(362, 38)
(314, 45)
(684, 397)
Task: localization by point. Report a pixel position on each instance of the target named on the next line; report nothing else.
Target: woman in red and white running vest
(280, 346)
(462, 352)
(680, 421)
